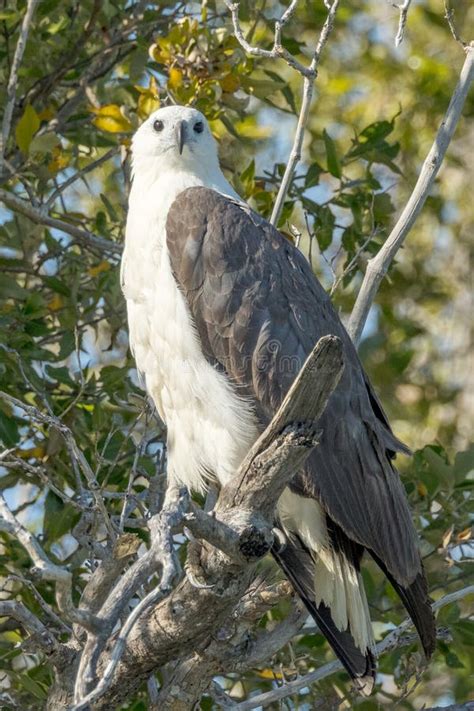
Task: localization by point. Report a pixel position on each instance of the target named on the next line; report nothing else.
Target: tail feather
(416, 600)
(298, 565)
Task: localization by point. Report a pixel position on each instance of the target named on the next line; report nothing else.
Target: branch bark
(13, 79)
(378, 266)
(41, 635)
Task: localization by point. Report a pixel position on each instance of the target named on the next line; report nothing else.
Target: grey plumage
(259, 310)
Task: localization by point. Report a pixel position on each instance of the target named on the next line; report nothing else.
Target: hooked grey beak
(179, 132)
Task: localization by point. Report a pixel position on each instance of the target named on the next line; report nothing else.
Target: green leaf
(109, 207)
(26, 128)
(324, 227)
(312, 176)
(30, 685)
(334, 166)
(44, 144)
(10, 289)
(59, 518)
(248, 174)
(9, 434)
(57, 285)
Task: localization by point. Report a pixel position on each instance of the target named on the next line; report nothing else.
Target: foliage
(92, 71)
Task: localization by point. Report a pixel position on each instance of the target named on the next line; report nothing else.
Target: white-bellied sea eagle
(222, 312)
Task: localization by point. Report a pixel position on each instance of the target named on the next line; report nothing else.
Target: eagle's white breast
(210, 428)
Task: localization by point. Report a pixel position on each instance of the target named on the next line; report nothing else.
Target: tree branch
(85, 238)
(403, 8)
(13, 80)
(308, 73)
(41, 636)
(378, 266)
(183, 622)
(46, 569)
(308, 88)
(80, 174)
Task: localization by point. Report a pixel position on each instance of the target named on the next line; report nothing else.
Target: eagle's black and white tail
(335, 598)
(299, 566)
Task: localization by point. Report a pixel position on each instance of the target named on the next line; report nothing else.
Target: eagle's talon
(279, 540)
(195, 582)
(193, 568)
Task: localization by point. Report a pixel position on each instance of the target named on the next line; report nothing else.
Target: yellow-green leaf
(229, 83)
(26, 128)
(175, 78)
(149, 100)
(111, 118)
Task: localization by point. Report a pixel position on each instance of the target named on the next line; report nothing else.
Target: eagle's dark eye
(199, 127)
(158, 125)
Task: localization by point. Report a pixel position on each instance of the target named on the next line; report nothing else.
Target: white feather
(336, 582)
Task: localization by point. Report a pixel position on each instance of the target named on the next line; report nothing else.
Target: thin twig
(80, 174)
(449, 17)
(40, 217)
(308, 73)
(378, 266)
(13, 80)
(308, 89)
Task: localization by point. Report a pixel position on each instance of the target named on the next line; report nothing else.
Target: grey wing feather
(259, 310)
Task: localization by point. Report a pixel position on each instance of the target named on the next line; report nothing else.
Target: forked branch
(240, 524)
(308, 72)
(378, 266)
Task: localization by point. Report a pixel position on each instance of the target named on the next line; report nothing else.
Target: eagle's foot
(193, 568)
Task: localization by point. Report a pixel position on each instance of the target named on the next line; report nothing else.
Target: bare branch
(468, 706)
(449, 16)
(46, 569)
(85, 238)
(309, 74)
(42, 603)
(13, 80)
(378, 266)
(277, 51)
(403, 8)
(308, 87)
(41, 636)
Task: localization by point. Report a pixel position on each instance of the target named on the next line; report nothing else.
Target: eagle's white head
(175, 139)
